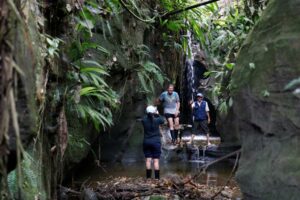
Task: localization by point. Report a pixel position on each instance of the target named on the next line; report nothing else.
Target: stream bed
(216, 175)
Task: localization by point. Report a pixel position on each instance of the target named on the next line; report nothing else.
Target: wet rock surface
(268, 117)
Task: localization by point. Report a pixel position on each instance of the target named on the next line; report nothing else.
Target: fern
(113, 6)
(93, 100)
(149, 74)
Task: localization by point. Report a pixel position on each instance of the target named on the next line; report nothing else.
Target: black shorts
(168, 115)
(152, 149)
(200, 127)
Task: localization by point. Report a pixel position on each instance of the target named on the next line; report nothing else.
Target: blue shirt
(169, 101)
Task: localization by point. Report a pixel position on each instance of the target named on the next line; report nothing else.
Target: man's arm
(178, 107)
(160, 99)
(191, 104)
(177, 104)
(157, 102)
(208, 117)
(207, 113)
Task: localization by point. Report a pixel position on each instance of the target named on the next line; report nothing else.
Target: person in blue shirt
(152, 142)
(171, 104)
(201, 116)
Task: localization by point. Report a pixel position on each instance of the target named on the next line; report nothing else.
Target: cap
(151, 109)
(199, 95)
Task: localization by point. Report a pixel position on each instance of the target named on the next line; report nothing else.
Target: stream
(216, 175)
(190, 160)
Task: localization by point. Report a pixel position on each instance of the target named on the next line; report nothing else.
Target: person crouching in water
(201, 116)
(152, 142)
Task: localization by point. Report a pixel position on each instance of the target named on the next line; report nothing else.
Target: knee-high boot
(156, 174)
(172, 135)
(148, 173)
(175, 135)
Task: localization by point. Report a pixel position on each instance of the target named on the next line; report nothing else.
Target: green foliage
(220, 28)
(265, 93)
(77, 143)
(293, 83)
(53, 45)
(91, 97)
(148, 73)
(252, 66)
(31, 179)
(113, 6)
(96, 97)
(223, 108)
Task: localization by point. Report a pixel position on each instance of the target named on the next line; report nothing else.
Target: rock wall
(267, 113)
(30, 104)
(22, 91)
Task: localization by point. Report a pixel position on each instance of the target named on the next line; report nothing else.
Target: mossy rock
(266, 115)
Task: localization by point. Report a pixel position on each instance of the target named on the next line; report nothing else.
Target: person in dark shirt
(152, 142)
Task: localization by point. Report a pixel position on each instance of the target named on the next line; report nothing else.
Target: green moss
(32, 186)
(157, 197)
(79, 139)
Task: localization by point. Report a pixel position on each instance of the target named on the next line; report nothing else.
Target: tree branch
(174, 12)
(134, 15)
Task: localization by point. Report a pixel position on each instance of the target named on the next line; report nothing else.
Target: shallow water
(216, 174)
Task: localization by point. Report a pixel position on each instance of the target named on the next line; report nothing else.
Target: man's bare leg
(192, 138)
(207, 137)
(148, 167)
(148, 163)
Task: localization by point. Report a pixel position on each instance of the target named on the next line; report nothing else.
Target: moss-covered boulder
(267, 111)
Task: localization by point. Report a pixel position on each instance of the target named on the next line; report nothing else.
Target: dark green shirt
(151, 128)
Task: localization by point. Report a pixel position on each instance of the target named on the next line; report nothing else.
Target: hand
(190, 102)
(176, 113)
(208, 121)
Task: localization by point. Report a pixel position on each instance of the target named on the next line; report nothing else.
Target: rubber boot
(175, 136)
(156, 174)
(180, 136)
(172, 135)
(148, 173)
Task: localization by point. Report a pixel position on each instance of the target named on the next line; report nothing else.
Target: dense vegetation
(81, 69)
(219, 29)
